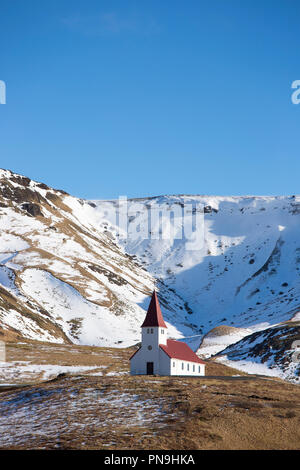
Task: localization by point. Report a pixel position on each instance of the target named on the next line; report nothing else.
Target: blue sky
(140, 98)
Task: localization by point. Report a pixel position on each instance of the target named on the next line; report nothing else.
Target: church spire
(154, 316)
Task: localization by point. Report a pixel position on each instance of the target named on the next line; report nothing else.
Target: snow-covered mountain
(273, 351)
(62, 276)
(247, 272)
(69, 273)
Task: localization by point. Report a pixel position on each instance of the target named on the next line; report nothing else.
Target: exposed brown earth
(95, 262)
(224, 410)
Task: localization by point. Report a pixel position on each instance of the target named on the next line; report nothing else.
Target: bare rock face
(32, 209)
(277, 347)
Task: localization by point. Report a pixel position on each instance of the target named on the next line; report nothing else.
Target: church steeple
(154, 316)
(159, 355)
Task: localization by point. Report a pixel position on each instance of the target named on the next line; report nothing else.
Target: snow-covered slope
(273, 351)
(68, 275)
(219, 338)
(63, 277)
(246, 274)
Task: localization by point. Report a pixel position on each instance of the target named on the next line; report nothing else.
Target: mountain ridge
(51, 240)
(67, 274)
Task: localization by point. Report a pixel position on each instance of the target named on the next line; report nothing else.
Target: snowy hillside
(71, 271)
(219, 338)
(273, 351)
(62, 276)
(246, 275)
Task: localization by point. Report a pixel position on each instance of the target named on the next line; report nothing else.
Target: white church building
(159, 355)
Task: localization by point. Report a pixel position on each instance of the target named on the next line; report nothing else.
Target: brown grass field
(105, 408)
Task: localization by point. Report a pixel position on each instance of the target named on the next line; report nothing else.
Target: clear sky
(150, 97)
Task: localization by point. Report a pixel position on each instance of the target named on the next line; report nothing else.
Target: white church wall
(150, 352)
(186, 368)
(154, 336)
(138, 364)
(164, 363)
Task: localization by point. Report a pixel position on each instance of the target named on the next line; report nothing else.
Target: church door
(150, 368)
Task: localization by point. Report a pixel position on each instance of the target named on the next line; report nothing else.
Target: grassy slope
(117, 411)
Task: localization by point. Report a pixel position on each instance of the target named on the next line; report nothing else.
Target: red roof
(178, 350)
(154, 316)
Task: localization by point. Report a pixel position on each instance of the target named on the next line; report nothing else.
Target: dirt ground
(105, 408)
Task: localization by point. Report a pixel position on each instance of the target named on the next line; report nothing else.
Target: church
(159, 355)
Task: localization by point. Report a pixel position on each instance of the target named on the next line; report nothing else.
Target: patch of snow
(250, 367)
(23, 370)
